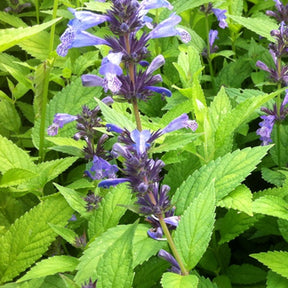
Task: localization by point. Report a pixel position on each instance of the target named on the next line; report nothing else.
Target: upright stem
(47, 67)
(172, 245)
(37, 11)
(131, 71)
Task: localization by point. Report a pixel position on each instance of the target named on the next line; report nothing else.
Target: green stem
(37, 11)
(278, 106)
(46, 67)
(172, 245)
(209, 55)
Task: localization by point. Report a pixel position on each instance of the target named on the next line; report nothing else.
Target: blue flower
(101, 169)
(167, 28)
(265, 130)
(154, 4)
(75, 36)
(180, 122)
(168, 257)
(141, 138)
(221, 17)
(60, 119)
(112, 182)
(213, 35)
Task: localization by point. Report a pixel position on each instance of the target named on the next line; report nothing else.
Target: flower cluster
(278, 73)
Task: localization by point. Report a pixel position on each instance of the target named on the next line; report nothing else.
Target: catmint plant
(126, 73)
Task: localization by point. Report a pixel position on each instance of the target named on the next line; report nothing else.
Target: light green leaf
(194, 231)
(261, 26)
(12, 36)
(172, 280)
(180, 6)
(67, 234)
(240, 199)
(69, 100)
(277, 261)
(233, 224)
(228, 172)
(109, 212)
(9, 117)
(112, 116)
(143, 248)
(51, 266)
(271, 205)
(73, 198)
(15, 176)
(275, 280)
(11, 156)
(30, 236)
(115, 268)
(12, 20)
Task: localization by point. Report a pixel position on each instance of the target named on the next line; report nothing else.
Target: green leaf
(51, 266)
(233, 224)
(271, 205)
(143, 248)
(9, 117)
(172, 280)
(109, 212)
(238, 116)
(12, 36)
(11, 156)
(115, 268)
(112, 116)
(227, 172)
(73, 198)
(30, 236)
(194, 231)
(69, 100)
(277, 261)
(180, 6)
(246, 274)
(65, 233)
(67, 145)
(240, 199)
(275, 280)
(261, 26)
(12, 20)
(15, 176)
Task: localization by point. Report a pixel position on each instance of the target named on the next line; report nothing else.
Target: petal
(112, 182)
(156, 63)
(89, 80)
(154, 4)
(114, 128)
(163, 91)
(140, 139)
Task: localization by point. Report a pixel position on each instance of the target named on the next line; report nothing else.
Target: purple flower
(154, 4)
(101, 169)
(180, 122)
(140, 138)
(90, 284)
(112, 182)
(75, 36)
(282, 12)
(220, 14)
(168, 257)
(60, 119)
(167, 29)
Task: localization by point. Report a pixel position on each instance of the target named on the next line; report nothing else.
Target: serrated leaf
(233, 224)
(69, 100)
(11, 156)
(12, 20)
(9, 117)
(180, 6)
(51, 266)
(46, 171)
(112, 116)
(271, 205)
(65, 233)
(246, 274)
(16, 176)
(115, 268)
(238, 116)
(30, 236)
(175, 141)
(277, 261)
(275, 280)
(240, 199)
(194, 231)
(68, 282)
(227, 172)
(143, 248)
(261, 26)
(73, 198)
(12, 36)
(172, 280)
(109, 212)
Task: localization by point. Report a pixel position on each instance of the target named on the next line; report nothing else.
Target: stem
(131, 70)
(37, 11)
(172, 245)
(278, 106)
(209, 54)
(47, 65)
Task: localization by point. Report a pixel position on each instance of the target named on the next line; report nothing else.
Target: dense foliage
(143, 143)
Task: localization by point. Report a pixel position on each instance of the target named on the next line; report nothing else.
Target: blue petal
(114, 128)
(112, 182)
(163, 91)
(140, 139)
(89, 80)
